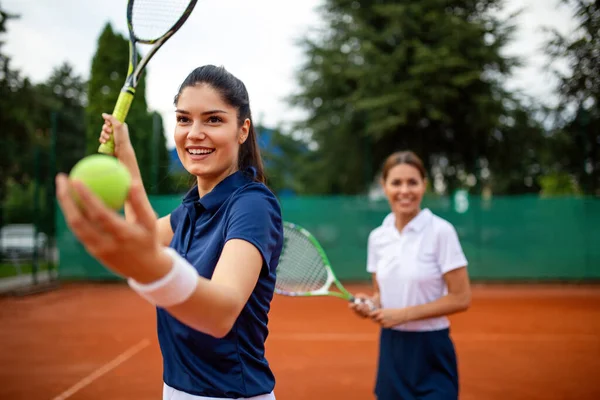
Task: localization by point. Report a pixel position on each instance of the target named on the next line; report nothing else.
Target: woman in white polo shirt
(419, 277)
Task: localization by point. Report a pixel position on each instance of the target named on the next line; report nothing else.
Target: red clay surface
(98, 341)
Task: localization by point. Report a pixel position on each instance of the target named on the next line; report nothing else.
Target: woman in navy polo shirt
(209, 266)
(419, 277)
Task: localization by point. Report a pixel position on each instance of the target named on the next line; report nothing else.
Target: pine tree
(388, 75)
(108, 72)
(579, 91)
(15, 131)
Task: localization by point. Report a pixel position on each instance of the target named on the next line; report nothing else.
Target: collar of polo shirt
(213, 199)
(416, 224)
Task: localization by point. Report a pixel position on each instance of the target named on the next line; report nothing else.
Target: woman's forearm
(128, 159)
(212, 308)
(209, 305)
(446, 305)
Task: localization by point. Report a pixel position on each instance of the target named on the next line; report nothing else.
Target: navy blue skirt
(416, 366)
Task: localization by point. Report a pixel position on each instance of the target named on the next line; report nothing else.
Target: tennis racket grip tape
(368, 302)
(120, 113)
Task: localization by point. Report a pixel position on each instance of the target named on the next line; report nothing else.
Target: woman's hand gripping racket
(150, 22)
(304, 269)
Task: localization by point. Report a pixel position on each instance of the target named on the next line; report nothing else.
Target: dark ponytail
(250, 154)
(234, 93)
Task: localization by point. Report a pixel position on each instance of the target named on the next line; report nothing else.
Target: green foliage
(27, 159)
(285, 159)
(13, 120)
(161, 181)
(66, 97)
(558, 184)
(8, 269)
(108, 72)
(518, 153)
(580, 49)
(579, 90)
(19, 204)
(390, 75)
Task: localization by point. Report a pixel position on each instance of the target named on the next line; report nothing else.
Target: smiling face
(404, 187)
(208, 135)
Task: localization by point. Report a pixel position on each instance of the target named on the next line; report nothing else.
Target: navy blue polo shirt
(233, 366)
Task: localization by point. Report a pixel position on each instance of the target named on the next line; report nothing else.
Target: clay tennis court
(97, 341)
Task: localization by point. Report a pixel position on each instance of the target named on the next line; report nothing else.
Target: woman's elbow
(218, 325)
(219, 333)
(222, 329)
(216, 328)
(225, 321)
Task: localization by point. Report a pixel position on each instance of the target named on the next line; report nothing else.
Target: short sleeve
(450, 253)
(176, 216)
(371, 255)
(255, 216)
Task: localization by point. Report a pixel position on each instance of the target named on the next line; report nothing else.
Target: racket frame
(135, 68)
(331, 278)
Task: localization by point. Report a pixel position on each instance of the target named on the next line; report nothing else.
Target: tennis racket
(304, 269)
(150, 22)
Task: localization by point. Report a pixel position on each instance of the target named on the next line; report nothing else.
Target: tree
(108, 72)
(31, 159)
(161, 182)
(59, 110)
(67, 98)
(26, 160)
(286, 161)
(558, 184)
(519, 152)
(388, 75)
(579, 91)
(16, 133)
(11, 123)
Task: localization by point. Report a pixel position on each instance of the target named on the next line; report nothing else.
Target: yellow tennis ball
(106, 177)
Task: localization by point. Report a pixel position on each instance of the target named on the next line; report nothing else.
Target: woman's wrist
(159, 264)
(376, 301)
(171, 288)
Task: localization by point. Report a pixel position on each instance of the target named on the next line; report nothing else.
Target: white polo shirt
(410, 265)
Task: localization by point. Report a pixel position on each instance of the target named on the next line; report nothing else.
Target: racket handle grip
(368, 302)
(120, 113)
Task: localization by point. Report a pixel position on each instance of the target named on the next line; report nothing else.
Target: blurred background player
(419, 277)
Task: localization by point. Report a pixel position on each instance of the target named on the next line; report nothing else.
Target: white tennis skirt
(173, 394)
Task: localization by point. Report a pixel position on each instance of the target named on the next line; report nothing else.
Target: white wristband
(174, 288)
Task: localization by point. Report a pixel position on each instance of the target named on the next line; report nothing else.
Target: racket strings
(152, 19)
(301, 268)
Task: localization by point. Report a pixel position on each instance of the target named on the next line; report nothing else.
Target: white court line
(126, 355)
(492, 337)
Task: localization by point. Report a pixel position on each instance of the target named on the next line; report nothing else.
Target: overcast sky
(255, 40)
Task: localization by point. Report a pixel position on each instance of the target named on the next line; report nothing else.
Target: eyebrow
(204, 113)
